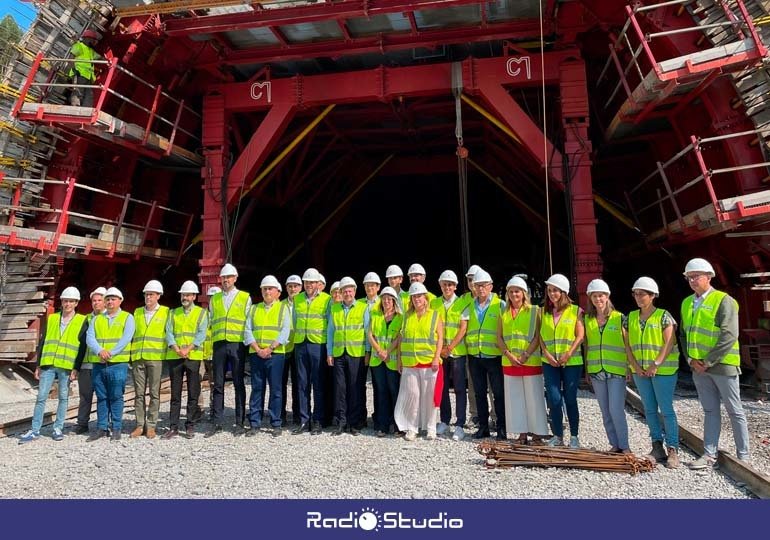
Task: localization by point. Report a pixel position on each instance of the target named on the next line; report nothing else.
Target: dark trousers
(561, 385)
(264, 372)
(178, 369)
(85, 95)
(290, 372)
(310, 359)
(454, 369)
(235, 353)
(385, 384)
(481, 368)
(86, 392)
(328, 383)
(348, 372)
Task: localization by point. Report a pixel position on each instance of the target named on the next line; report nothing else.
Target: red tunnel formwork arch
(488, 79)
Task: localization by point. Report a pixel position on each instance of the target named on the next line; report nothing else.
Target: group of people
(529, 359)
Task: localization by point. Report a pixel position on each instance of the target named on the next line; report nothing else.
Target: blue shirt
(283, 334)
(125, 339)
(200, 330)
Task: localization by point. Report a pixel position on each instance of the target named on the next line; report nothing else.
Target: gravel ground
(324, 467)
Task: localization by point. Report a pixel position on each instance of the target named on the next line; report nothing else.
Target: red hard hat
(90, 34)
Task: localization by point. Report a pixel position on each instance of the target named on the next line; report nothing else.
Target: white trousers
(525, 405)
(415, 408)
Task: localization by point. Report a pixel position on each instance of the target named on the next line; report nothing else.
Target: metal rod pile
(505, 455)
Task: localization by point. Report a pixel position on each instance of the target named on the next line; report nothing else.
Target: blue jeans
(610, 391)
(454, 369)
(109, 382)
(47, 377)
(658, 392)
(561, 386)
(266, 371)
(309, 357)
(385, 383)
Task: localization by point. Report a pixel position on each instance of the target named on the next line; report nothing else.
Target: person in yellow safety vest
(148, 351)
(109, 340)
(395, 277)
(417, 274)
(59, 356)
(311, 313)
(335, 293)
(84, 372)
(422, 340)
(293, 288)
(346, 351)
(208, 354)
(606, 362)
(383, 323)
(228, 313)
(517, 337)
(372, 285)
(710, 337)
(561, 333)
(469, 296)
(82, 72)
(654, 361)
(186, 338)
(455, 314)
(484, 355)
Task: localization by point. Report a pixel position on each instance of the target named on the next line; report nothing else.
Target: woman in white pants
(419, 361)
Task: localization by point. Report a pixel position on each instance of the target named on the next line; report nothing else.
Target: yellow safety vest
(228, 324)
(61, 350)
(266, 324)
(701, 329)
(452, 318)
(81, 51)
(519, 332)
(208, 345)
(482, 335)
(419, 343)
(606, 350)
(385, 333)
(108, 336)
(150, 339)
(185, 328)
(289, 347)
(91, 358)
(311, 320)
(349, 332)
(558, 338)
(647, 345)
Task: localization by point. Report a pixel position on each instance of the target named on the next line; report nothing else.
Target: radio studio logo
(371, 519)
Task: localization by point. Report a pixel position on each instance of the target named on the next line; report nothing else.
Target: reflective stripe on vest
(349, 332)
(452, 318)
(518, 334)
(228, 325)
(482, 335)
(701, 329)
(311, 320)
(108, 335)
(418, 345)
(647, 345)
(266, 324)
(61, 350)
(150, 339)
(605, 349)
(289, 347)
(185, 326)
(385, 332)
(559, 338)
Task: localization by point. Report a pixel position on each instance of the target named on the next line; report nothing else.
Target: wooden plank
(24, 309)
(29, 296)
(18, 346)
(28, 287)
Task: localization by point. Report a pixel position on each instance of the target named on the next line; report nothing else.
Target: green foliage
(10, 34)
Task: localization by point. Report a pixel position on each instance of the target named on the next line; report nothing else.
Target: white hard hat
(417, 288)
(311, 274)
(347, 282)
(213, 290)
(335, 286)
(472, 270)
(270, 281)
(482, 276)
(114, 291)
(98, 290)
(389, 290)
(70, 293)
(597, 285)
(372, 277)
(322, 279)
(394, 270)
(294, 278)
(516, 281)
(228, 270)
(153, 286)
(646, 284)
(699, 265)
(416, 269)
(189, 287)
(448, 275)
(559, 281)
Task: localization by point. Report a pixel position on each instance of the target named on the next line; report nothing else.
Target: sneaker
(574, 442)
(555, 441)
(380, 434)
(673, 459)
(441, 428)
(29, 436)
(410, 436)
(57, 435)
(704, 462)
(459, 434)
(431, 435)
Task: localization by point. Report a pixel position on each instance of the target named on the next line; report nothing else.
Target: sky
(22, 12)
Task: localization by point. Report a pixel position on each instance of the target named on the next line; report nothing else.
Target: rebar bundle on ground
(506, 455)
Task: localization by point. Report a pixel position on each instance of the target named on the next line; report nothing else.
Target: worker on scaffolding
(82, 74)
